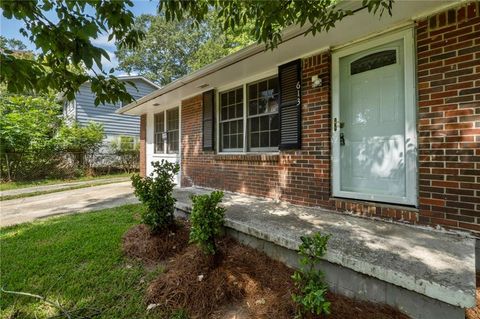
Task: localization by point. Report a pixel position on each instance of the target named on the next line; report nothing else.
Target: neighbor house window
(159, 128)
(263, 134)
(231, 120)
(172, 130)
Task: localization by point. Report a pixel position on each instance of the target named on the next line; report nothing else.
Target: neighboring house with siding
(83, 110)
(376, 117)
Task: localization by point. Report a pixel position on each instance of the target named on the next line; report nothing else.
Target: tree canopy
(66, 39)
(172, 49)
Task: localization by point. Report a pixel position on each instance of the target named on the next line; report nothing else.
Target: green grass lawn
(77, 260)
(15, 185)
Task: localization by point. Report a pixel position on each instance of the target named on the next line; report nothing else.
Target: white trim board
(407, 35)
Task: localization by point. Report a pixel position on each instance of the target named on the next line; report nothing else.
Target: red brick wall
(143, 150)
(449, 136)
(448, 46)
(300, 177)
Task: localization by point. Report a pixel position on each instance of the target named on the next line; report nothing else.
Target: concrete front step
(424, 272)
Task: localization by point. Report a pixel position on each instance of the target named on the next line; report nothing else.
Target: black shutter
(290, 82)
(208, 127)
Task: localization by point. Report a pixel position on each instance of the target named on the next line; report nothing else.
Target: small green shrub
(309, 280)
(156, 192)
(207, 220)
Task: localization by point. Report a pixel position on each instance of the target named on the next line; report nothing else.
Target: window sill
(268, 158)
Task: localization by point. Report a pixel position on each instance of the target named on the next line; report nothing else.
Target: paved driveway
(26, 209)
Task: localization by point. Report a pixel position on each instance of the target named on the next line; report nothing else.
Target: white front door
(165, 138)
(373, 150)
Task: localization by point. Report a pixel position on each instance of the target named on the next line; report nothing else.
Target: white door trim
(411, 197)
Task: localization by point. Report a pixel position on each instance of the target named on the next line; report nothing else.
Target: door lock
(335, 123)
(342, 139)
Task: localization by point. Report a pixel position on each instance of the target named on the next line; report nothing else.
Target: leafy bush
(207, 220)
(156, 192)
(309, 280)
(128, 151)
(27, 127)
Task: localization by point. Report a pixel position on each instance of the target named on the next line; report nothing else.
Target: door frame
(150, 147)
(411, 182)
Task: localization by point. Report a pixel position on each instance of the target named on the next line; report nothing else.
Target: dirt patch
(245, 284)
(139, 243)
(474, 313)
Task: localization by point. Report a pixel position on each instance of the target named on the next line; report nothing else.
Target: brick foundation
(448, 46)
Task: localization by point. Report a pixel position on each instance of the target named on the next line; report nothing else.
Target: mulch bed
(139, 243)
(245, 284)
(474, 313)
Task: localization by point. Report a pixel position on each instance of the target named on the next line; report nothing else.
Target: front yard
(76, 260)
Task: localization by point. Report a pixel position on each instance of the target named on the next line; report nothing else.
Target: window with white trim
(159, 128)
(263, 133)
(172, 130)
(259, 113)
(167, 131)
(231, 120)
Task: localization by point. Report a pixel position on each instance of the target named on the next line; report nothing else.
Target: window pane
(231, 129)
(231, 112)
(264, 123)
(373, 61)
(224, 113)
(254, 140)
(252, 91)
(226, 143)
(254, 124)
(274, 138)
(226, 128)
(239, 112)
(273, 84)
(274, 122)
(264, 139)
(223, 99)
(262, 106)
(263, 100)
(252, 107)
(159, 128)
(272, 105)
(233, 141)
(231, 97)
(262, 86)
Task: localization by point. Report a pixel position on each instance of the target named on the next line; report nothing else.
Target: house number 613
(298, 93)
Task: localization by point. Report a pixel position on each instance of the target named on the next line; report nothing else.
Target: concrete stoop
(425, 273)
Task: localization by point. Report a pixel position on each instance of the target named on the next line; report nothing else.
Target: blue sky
(10, 29)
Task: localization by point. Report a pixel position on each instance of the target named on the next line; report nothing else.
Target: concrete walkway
(27, 209)
(432, 263)
(66, 186)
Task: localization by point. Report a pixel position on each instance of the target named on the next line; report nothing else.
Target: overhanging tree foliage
(67, 40)
(270, 17)
(62, 31)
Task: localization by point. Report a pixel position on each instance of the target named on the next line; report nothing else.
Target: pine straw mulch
(474, 313)
(139, 243)
(245, 284)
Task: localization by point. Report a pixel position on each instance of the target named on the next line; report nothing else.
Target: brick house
(436, 56)
(379, 116)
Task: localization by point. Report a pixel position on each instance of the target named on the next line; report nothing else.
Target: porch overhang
(254, 60)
